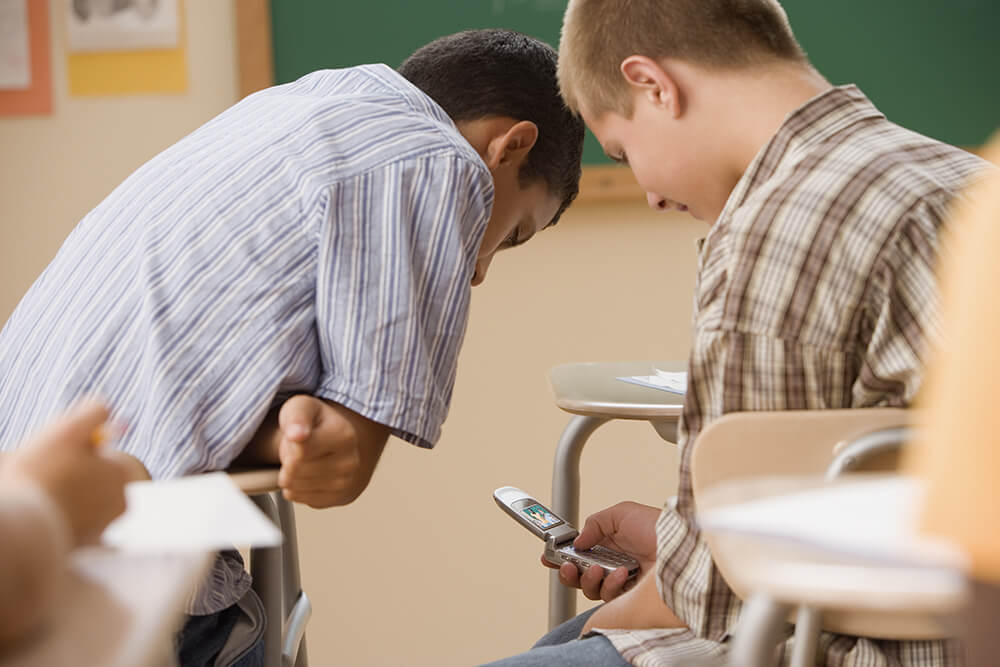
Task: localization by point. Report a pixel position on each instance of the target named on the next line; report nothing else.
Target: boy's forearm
(370, 439)
(370, 448)
(651, 610)
(339, 446)
(263, 447)
(640, 608)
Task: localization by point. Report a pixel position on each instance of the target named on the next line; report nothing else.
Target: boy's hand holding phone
(602, 554)
(327, 452)
(626, 527)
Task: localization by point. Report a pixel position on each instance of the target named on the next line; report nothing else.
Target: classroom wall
(53, 169)
(423, 569)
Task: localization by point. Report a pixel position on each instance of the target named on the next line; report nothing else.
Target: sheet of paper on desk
(197, 513)
(666, 381)
(873, 519)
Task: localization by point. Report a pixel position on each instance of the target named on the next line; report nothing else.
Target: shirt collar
(417, 97)
(818, 120)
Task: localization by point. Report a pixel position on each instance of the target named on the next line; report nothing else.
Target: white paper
(15, 59)
(115, 25)
(675, 382)
(201, 512)
(875, 519)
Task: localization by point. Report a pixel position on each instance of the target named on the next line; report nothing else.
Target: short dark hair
(480, 73)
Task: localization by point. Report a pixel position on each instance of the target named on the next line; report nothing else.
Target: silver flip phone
(558, 534)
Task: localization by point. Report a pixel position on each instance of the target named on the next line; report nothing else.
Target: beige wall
(53, 169)
(423, 569)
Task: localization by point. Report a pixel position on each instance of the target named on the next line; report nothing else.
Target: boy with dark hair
(289, 284)
(815, 287)
(455, 73)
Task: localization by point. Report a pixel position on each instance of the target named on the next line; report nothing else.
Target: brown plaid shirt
(816, 289)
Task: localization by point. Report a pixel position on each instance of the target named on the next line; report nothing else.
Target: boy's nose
(656, 202)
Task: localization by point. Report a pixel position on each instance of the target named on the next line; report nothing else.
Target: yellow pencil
(105, 433)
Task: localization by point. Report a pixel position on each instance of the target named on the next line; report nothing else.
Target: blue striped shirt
(318, 237)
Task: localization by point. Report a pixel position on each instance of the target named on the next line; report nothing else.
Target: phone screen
(539, 515)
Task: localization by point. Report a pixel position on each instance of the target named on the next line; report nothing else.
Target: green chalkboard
(930, 65)
(312, 34)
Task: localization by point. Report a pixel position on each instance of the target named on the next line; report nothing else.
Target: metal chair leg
(566, 503)
(666, 429)
(760, 628)
(265, 568)
(296, 606)
(806, 642)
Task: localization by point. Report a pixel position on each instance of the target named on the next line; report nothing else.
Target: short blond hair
(597, 35)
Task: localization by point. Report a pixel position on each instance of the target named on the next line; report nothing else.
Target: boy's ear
(648, 78)
(512, 146)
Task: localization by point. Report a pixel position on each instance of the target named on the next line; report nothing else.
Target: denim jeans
(561, 648)
(202, 637)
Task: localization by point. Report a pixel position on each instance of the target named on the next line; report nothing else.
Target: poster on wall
(121, 25)
(25, 60)
(15, 63)
(125, 47)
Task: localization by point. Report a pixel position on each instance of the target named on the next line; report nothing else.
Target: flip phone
(559, 535)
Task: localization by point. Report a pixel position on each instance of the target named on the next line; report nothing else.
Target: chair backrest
(793, 444)
(787, 442)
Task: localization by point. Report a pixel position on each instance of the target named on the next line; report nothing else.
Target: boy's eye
(622, 159)
(511, 240)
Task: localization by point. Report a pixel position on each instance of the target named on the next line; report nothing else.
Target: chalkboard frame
(255, 60)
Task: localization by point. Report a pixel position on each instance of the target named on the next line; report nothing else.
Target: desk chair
(899, 595)
(593, 395)
(275, 573)
(748, 450)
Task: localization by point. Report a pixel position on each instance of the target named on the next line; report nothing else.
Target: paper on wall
(15, 62)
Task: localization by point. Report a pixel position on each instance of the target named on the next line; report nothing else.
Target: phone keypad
(597, 555)
(606, 554)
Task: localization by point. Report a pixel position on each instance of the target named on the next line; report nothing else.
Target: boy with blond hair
(815, 286)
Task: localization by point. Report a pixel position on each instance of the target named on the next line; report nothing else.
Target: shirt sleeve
(396, 260)
(903, 314)
(33, 549)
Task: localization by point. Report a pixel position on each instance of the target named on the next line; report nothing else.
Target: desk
(888, 588)
(118, 609)
(593, 395)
